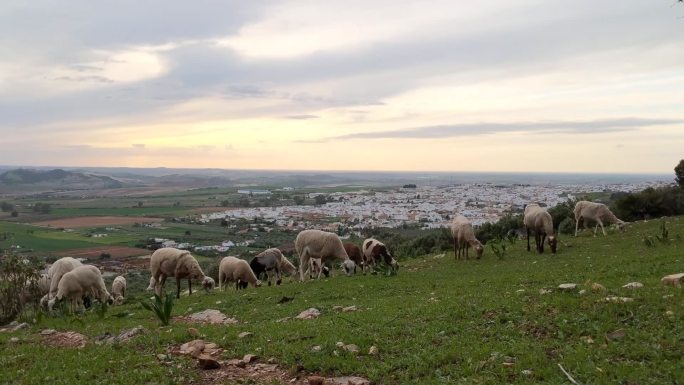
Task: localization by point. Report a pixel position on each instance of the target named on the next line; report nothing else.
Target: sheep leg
(190, 286)
(178, 283)
(602, 229)
(528, 238)
(220, 280)
(303, 264)
(278, 278)
(161, 281)
(541, 242)
(455, 250)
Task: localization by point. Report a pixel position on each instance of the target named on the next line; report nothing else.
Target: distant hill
(56, 179)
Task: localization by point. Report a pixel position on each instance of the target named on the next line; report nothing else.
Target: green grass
(118, 211)
(438, 321)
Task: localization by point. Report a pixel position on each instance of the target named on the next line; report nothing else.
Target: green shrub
(18, 286)
(161, 308)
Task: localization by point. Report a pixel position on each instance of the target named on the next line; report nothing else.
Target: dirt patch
(209, 316)
(76, 222)
(66, 340)
(114, 252)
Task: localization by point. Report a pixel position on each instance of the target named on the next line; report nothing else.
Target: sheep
(374, 250)
(354, 253)
(539, 220)
(271, 260)
(170, 262)
(316, 268)
(119, 289)
(82, 281)
(321, 244)
(57, 270)
(232, 269)
(597, 212)
(464, 237)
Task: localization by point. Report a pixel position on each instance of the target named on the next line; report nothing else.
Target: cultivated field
(78, 222)
(437, 322)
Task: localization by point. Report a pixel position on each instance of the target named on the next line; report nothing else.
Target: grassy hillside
(438, 321)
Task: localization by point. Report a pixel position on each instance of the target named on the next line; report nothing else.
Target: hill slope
(55, 179)
(438, 321)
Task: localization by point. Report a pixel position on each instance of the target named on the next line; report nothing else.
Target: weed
(161, 308)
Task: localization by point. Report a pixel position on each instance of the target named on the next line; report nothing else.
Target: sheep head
(349, 267)
(621, 226)
(553, 243)
(196, 271)
(208, 284)
(480, 250)
(119, 300)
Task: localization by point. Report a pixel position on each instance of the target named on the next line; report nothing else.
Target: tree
(6, 207)
(320, 199)
(15, 214)
(43, 208)
(299, 200)
(679, 172)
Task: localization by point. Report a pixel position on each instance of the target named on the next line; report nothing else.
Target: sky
(514, 85)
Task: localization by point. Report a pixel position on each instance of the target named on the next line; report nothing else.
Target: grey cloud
(472, 129)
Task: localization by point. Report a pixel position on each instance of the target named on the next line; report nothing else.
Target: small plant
(161, 308)
(664, 233)
(649, 241)
(498, 248)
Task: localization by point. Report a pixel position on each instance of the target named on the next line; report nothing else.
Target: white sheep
(464, 237)
(539, 220)
(232, 269)
(57, 270)
(586, 211)
(375, 251)
(321, 244)
(83, 281)
(119, 289)
(170, 262)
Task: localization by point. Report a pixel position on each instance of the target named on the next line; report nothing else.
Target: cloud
(301, 117)
(472, 129)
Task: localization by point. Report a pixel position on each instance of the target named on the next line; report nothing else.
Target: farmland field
(438, 321)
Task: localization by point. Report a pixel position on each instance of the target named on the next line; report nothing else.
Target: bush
(18, 286)
(650, 203)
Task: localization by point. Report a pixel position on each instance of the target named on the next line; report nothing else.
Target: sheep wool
(171, 262)
(233, 269)
(464, 237)
(119, 289)
(321, 244)
(586, 211)
(57, 270)
(539, 221)
(83, 281)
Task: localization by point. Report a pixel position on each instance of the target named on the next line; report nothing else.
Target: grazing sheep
(170, 262)
(321, 244)
(271, 260)
(57, 270)
(464, 237)
(354, 253)
(119, 289)
(232, 269)
(83, 281)
(586, 211)
(539, 220)
(374, 251)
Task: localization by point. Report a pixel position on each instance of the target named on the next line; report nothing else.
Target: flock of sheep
(538, 221)
(69, 279)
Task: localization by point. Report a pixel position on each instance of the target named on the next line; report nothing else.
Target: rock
(249, 358)
(127, 335)
(587, 339)
(597, 287)
(162, 357)
(213, 317)
(193, 348)
(236, 362)
(616, 335)
(669, 313)
(349, 381)
(47, 332)
(673, 280)
(508, 364)
(582, 292)
(309, 314)
(633, 285)
(14, 340)
(351, 348)
(612, 298)
(316, 348)
(245, 334)
(544, 291)
(349, 309)
(66, 339)
(340, 344)
(373, 351)
(526, 372)
(20, 326)
(316, 380)
(338, 308)
(567, 286)
(208, 362)
(271, 360)
(194, 333)
(284, 319)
